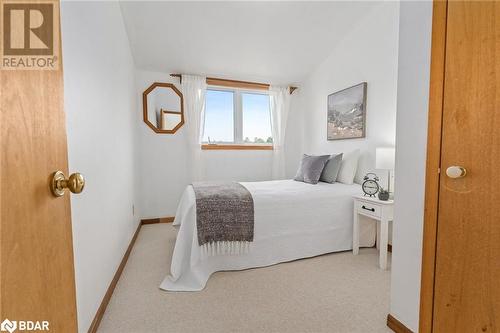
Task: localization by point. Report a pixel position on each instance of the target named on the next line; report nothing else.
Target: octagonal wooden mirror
(163, 108)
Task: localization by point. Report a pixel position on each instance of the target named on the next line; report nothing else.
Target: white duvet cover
(293, 220)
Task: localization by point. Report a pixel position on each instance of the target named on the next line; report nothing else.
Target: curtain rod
(235, 83)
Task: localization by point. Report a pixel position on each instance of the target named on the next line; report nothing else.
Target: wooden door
(467, 271)
(37, 274)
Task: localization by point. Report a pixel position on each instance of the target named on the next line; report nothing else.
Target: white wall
(368, 53)
(99, 102)
(411, 136)
(164, 170)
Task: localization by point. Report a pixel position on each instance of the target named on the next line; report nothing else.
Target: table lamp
(384, 160)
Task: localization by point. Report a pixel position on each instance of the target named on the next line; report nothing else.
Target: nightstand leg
(355, 233)
(377, 240)
(384, 232)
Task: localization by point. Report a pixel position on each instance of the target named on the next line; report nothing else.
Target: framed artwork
(347, 113)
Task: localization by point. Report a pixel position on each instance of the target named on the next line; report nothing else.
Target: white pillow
(348, 167)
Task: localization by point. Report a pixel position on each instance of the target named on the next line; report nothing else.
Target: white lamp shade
(384, 158)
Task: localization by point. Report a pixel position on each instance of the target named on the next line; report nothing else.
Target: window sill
(235, 147)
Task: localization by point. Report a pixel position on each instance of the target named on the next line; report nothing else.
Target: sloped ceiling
(276, 42)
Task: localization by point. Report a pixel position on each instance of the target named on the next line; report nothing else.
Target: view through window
(240, 117)
(219, 116)
(256, 118)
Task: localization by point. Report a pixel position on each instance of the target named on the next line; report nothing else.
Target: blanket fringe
(225, 248)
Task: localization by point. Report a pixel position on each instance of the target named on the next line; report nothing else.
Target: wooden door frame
(432, 174)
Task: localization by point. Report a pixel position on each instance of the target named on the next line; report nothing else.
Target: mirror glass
(163, 108)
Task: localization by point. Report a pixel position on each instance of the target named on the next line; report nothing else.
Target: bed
(293, 220)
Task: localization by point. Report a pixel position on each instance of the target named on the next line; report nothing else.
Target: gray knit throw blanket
(224, 217)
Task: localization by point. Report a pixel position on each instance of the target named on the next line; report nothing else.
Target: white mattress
(293, 220)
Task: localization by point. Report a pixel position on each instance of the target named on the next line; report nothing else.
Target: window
(256, 118)
(219, 116)
(237, 117)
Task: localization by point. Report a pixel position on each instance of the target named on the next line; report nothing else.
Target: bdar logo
(29, 34)
(8, 325)
(24, 325)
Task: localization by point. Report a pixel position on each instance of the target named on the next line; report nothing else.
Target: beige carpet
(331, 293)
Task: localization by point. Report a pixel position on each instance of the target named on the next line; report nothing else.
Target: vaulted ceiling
(276, 42)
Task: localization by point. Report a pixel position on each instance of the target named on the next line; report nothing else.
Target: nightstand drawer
(368, 209)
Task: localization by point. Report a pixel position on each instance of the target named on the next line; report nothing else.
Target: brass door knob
(75, 183)
(456, 171)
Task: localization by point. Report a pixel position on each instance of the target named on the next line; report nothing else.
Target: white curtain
(194, 89)
(280, 105)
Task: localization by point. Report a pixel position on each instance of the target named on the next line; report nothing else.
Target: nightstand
(380, 211)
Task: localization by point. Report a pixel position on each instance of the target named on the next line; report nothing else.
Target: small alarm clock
(370, 184)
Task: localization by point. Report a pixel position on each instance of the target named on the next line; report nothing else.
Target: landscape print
(346, 113)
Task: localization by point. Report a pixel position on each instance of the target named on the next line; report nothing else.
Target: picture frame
(346, 113)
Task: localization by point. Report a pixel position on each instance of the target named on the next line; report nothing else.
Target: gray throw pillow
(310, 168)
(331, 170)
